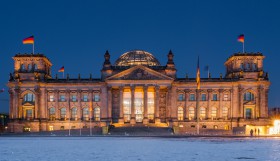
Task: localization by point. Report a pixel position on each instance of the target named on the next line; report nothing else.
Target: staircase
(140, 130)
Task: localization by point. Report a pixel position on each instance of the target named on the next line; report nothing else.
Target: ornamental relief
(140, 74)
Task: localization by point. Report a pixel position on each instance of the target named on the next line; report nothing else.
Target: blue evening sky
(76, 34)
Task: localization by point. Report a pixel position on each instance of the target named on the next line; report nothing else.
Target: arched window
(214, 112)
(96, 114)
(248, 96)
(202, 113)
(22, 67)
(52, 113)
(74, 113)
(85, 114)
(35, 66)
(241, 66)
(63, 113)
(225, 112)
(180, 114)
(29, 67)
(191, 113)
(29, 97)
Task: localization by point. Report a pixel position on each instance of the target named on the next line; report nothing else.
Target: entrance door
(248, 113)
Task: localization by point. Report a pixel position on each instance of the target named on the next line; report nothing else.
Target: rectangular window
(192, 97)
(85, 98)
(96, 98)
(215, 97)
(181, 97)
(74, 98)
(203, 97)
(62, 98)
(51, 98)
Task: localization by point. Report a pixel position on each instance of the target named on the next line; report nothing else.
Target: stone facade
(137, 89)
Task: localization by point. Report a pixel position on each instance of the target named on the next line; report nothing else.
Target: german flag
(240, 38)
(61, 69)
(198, 75)
(29, 40)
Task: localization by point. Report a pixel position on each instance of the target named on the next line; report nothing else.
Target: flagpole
(243, 46)
(33, 47)
(63, 74)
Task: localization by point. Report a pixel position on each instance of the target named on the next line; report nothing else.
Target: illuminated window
(215, 97)
(29, 97)
(52, 113)
(181, 97)
(180, 114)
(248, 96)
(225, 112)
(151, 105)
(192, 97)
(29, 113)
(127, 105)
(191, 113)
(97, 114)
(74, 113)
(63, 113)
(139, 104)
(214, 112)
(202, 113)
(51, 98)
(226, 97)
(96, 98)
(203, 97)
(85, 98)
(248, 113)
(62, 98)
(85, 114)
(74, 98)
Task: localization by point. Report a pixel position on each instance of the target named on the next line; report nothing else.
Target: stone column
(146, 120)
(109, 103)
(186, 112)
(79, 108)
(11, 104)
(21, 111)
(241, 109)
(91, 108)
(220, 103)
(235, 103)
(208, 113)
(57, 108)
(121, 120)
(157, 119)
(17, 105)
(37, 104)
(68, 107)
(132, 120)
(168, 101)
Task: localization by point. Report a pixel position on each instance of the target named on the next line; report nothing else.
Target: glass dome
(137, 57)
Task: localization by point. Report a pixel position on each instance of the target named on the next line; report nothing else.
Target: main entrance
(138, 104)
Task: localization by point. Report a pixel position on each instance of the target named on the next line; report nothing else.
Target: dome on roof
(137, 57)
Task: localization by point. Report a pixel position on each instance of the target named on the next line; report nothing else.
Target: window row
(202, 113)
(248, 66)
(85, 114)
(73, 98)
(203, 97)
(29, 67)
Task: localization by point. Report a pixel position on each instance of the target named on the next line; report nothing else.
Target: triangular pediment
(249, 103)
(139, 72)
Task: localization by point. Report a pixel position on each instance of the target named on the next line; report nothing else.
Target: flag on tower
(29, 40)
(241, 38)
(198, 75)
(61, 69)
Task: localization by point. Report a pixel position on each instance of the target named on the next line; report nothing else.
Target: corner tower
(31, 67)
(246, 66)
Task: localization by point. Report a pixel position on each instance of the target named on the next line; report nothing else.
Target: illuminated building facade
(137, 89)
